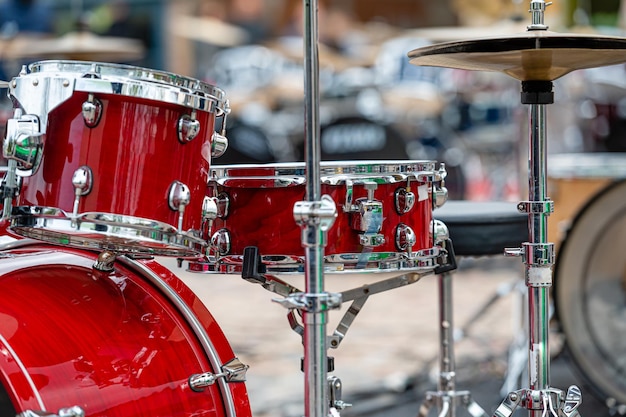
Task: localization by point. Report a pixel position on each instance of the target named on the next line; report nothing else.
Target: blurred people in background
(116, 19)
(21, 18)
(33, 16)
(250, 16)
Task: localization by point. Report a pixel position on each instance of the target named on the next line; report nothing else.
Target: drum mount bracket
(295, 300)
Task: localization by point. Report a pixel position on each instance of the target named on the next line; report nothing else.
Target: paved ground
(388, 359)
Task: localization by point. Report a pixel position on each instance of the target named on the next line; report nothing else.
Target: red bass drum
(134, 341)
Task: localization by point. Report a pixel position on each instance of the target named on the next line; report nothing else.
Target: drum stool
(476, 229)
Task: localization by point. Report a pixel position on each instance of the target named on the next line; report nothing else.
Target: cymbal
(535, 55)
(85, 46)
(209, 30)
(13, 48)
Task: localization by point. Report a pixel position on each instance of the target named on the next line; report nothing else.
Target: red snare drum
(116, 344)
(384, 215)
(123, 159)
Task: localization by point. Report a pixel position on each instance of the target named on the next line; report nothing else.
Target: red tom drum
(116, 343)
(384, 214)
(112, 156)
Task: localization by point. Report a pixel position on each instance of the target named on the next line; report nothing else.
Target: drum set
(110, 166)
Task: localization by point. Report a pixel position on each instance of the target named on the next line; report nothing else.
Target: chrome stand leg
(447, 398)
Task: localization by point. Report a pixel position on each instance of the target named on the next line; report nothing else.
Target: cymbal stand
(315, 216)
(538, 256)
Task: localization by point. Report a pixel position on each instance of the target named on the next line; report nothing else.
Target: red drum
(384, 215)
(132, 341)
(115, 156)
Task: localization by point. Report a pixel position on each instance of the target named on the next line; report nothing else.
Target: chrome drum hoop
(369, 263)
(119, 233)
(58, 80)
(293, 173)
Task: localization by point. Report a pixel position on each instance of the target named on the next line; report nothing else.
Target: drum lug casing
(188, 127)
(92, 111)
(219, 144)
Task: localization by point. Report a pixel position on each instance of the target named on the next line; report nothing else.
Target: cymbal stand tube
(539, 265)
(314, 216)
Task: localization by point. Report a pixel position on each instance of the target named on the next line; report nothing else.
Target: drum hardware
(366, 216)
(74, 411)
(92, 111)
(405, 200)
(233, 371)
(83, 182)
(178, 198)
(335, 395)
(536, 58)
(24, 141)
(188, 127)
(219, 142)
(106, 261)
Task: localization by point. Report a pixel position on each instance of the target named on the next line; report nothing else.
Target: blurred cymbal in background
(84, 46)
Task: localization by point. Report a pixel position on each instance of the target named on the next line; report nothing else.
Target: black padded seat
(480, 228)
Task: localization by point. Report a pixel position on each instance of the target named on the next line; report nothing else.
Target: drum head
(590, 292)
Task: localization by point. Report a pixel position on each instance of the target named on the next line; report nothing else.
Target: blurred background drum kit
(227, 163)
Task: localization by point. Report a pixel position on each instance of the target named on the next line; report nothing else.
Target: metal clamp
(534, 254)
(536, 207)
(233, 371)
(316, 213)
(24, 142)
(311, 303)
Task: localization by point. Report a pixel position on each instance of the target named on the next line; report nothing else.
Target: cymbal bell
(535, 55)
(85, 46)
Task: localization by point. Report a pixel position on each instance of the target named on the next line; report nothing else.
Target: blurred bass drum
(115, 344)
(590, 292)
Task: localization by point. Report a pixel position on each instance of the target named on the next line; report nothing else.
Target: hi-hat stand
(536, 58)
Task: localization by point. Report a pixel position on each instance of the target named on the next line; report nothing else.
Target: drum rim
(122, 79)
(597, 378)
(331, 172)
(120, 233)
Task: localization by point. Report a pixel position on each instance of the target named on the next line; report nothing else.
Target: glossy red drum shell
(134, 153)
(263, 217)
(112, 344)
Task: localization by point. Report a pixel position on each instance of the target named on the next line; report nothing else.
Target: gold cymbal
(13, 48)
(535, 55)
(85, 46)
